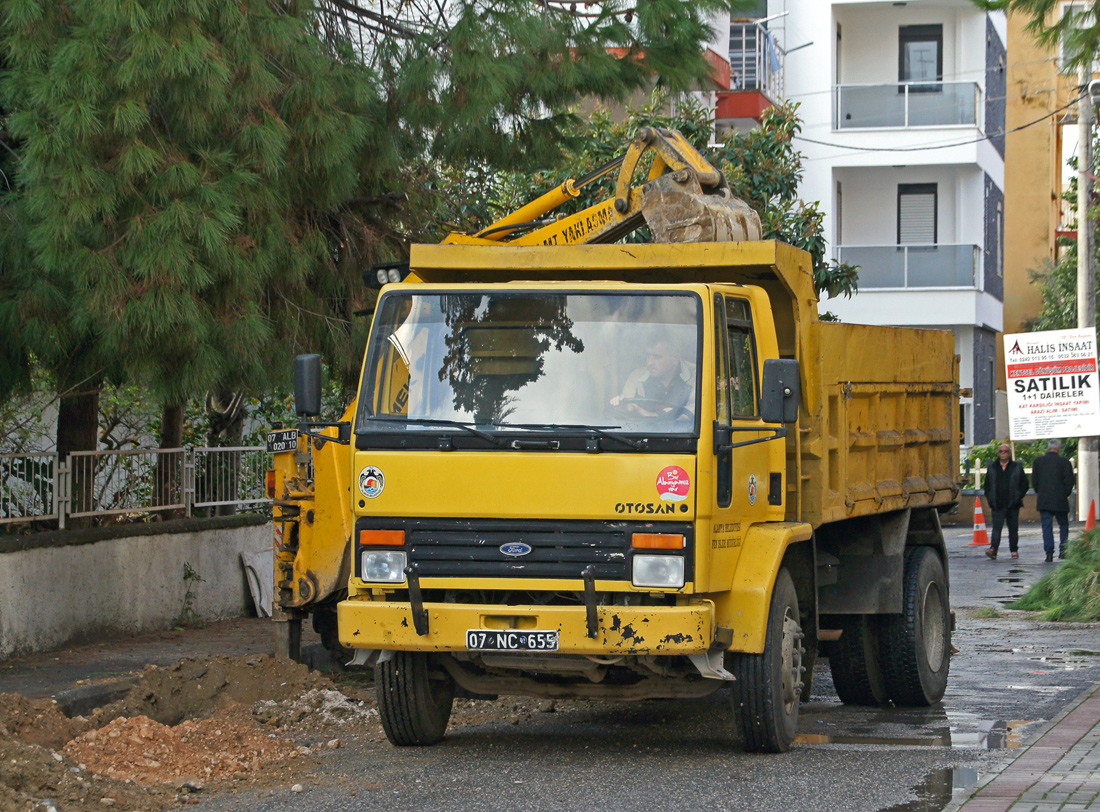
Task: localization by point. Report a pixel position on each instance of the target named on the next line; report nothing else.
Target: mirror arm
(776, 433)
(343, 435)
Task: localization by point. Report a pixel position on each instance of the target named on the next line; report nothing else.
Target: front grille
(454, 548)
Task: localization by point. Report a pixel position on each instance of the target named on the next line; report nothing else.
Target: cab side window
(742, 359)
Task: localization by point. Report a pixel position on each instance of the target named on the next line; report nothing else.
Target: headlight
(666, 571)
(386, 568)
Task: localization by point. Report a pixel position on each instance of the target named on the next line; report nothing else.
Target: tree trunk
(169, 474)
(77, 427)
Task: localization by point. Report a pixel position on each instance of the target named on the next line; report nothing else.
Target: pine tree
(179, 165)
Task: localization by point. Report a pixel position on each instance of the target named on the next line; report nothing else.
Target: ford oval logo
(515, 549)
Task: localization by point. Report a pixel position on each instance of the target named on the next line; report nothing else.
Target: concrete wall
(71, 586)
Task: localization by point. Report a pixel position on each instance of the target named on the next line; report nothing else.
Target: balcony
(914, 266)
(756, 73)
(907, 104)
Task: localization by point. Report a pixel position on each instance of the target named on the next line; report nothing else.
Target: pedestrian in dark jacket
(1005, 488)
(1052, 475)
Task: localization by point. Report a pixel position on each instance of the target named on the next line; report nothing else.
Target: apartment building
(903, 109)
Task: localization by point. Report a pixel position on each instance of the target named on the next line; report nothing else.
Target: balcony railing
(914, 266)
(756, 61)
(907, 104)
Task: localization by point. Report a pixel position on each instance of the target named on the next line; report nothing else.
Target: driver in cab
(664, 387)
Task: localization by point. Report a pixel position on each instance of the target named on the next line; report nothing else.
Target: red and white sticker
(673, 484)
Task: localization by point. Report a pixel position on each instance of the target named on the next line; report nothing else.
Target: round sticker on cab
(673, 484)
(371, 482)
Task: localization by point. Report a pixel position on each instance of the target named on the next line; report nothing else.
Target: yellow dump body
(883, 433)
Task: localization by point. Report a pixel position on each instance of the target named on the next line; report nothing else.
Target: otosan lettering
(643, 507)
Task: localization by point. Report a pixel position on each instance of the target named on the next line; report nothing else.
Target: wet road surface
(1010, 675)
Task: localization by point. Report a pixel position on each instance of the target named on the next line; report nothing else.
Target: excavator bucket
(677, 210)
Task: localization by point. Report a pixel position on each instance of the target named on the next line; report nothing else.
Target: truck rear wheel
(766, 694)
(854, 662)
(915, 646)
(414, 702)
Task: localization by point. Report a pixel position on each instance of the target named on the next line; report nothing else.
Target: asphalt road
(1011, 674)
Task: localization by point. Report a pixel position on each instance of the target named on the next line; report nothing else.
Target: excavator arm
(683, 199)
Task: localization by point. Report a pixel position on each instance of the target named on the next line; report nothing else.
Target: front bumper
(635, 630)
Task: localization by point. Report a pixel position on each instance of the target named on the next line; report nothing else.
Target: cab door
(742, 463)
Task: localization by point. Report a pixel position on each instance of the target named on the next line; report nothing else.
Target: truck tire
(765, 695)
(915, 646)
(854, 662)
(413, 703)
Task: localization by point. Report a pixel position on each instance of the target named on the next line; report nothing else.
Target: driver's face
(661, 361)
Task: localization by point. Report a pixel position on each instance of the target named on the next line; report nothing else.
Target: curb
(967, 795)
(85, 699)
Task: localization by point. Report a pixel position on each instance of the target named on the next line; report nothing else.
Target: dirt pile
(238, 719)
(197, 689)
(142, 750)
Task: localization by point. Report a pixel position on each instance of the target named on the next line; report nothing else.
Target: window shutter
(917, 217)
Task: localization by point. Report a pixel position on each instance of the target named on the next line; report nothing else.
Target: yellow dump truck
(635, 471)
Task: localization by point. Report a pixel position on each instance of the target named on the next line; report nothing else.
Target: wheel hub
(933, 626)
(791, 664)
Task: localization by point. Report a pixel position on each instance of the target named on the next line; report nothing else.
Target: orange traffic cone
(981, 538)
(1090, 522)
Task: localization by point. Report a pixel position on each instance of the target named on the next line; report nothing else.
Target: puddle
(900, 741)
(935, 791)
(990, 735)
(1067, 660)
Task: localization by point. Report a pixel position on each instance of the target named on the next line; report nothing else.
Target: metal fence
(28, 487)
(37, 487)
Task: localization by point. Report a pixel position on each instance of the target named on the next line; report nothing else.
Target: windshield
(533, 360)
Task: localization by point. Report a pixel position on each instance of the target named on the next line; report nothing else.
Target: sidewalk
(1060, 770)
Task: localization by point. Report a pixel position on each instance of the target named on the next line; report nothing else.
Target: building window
(920, 57)
(917, 209)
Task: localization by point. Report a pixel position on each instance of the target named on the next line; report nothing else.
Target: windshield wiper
(438, 421)
(602, 432)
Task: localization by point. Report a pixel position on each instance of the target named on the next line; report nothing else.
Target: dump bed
(881, 433)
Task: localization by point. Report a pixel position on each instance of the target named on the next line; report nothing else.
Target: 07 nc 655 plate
(511, 640)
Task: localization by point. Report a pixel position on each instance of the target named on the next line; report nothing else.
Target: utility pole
(1086, 273)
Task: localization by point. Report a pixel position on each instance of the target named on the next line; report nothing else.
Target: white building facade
(903, 110)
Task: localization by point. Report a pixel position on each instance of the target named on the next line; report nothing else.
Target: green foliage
(188, 615)
(178, 166)
(1072, 591)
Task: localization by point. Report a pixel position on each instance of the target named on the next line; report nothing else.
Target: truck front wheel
(766, 693)
(915, 645)
(414, 699)
(854, 662)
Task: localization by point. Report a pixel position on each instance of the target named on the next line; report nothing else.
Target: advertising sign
(1053, 390)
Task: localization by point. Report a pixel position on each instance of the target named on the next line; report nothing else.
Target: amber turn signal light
(382, 538)
(657, 541)
(270, 481)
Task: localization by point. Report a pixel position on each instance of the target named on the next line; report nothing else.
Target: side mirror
(781, 391)
(307, 385)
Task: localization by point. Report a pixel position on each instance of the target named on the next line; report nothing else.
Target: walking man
(1005, 488)
(1052, 476)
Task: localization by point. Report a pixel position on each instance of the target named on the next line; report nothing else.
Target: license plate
(511, 640)
(282, 440)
